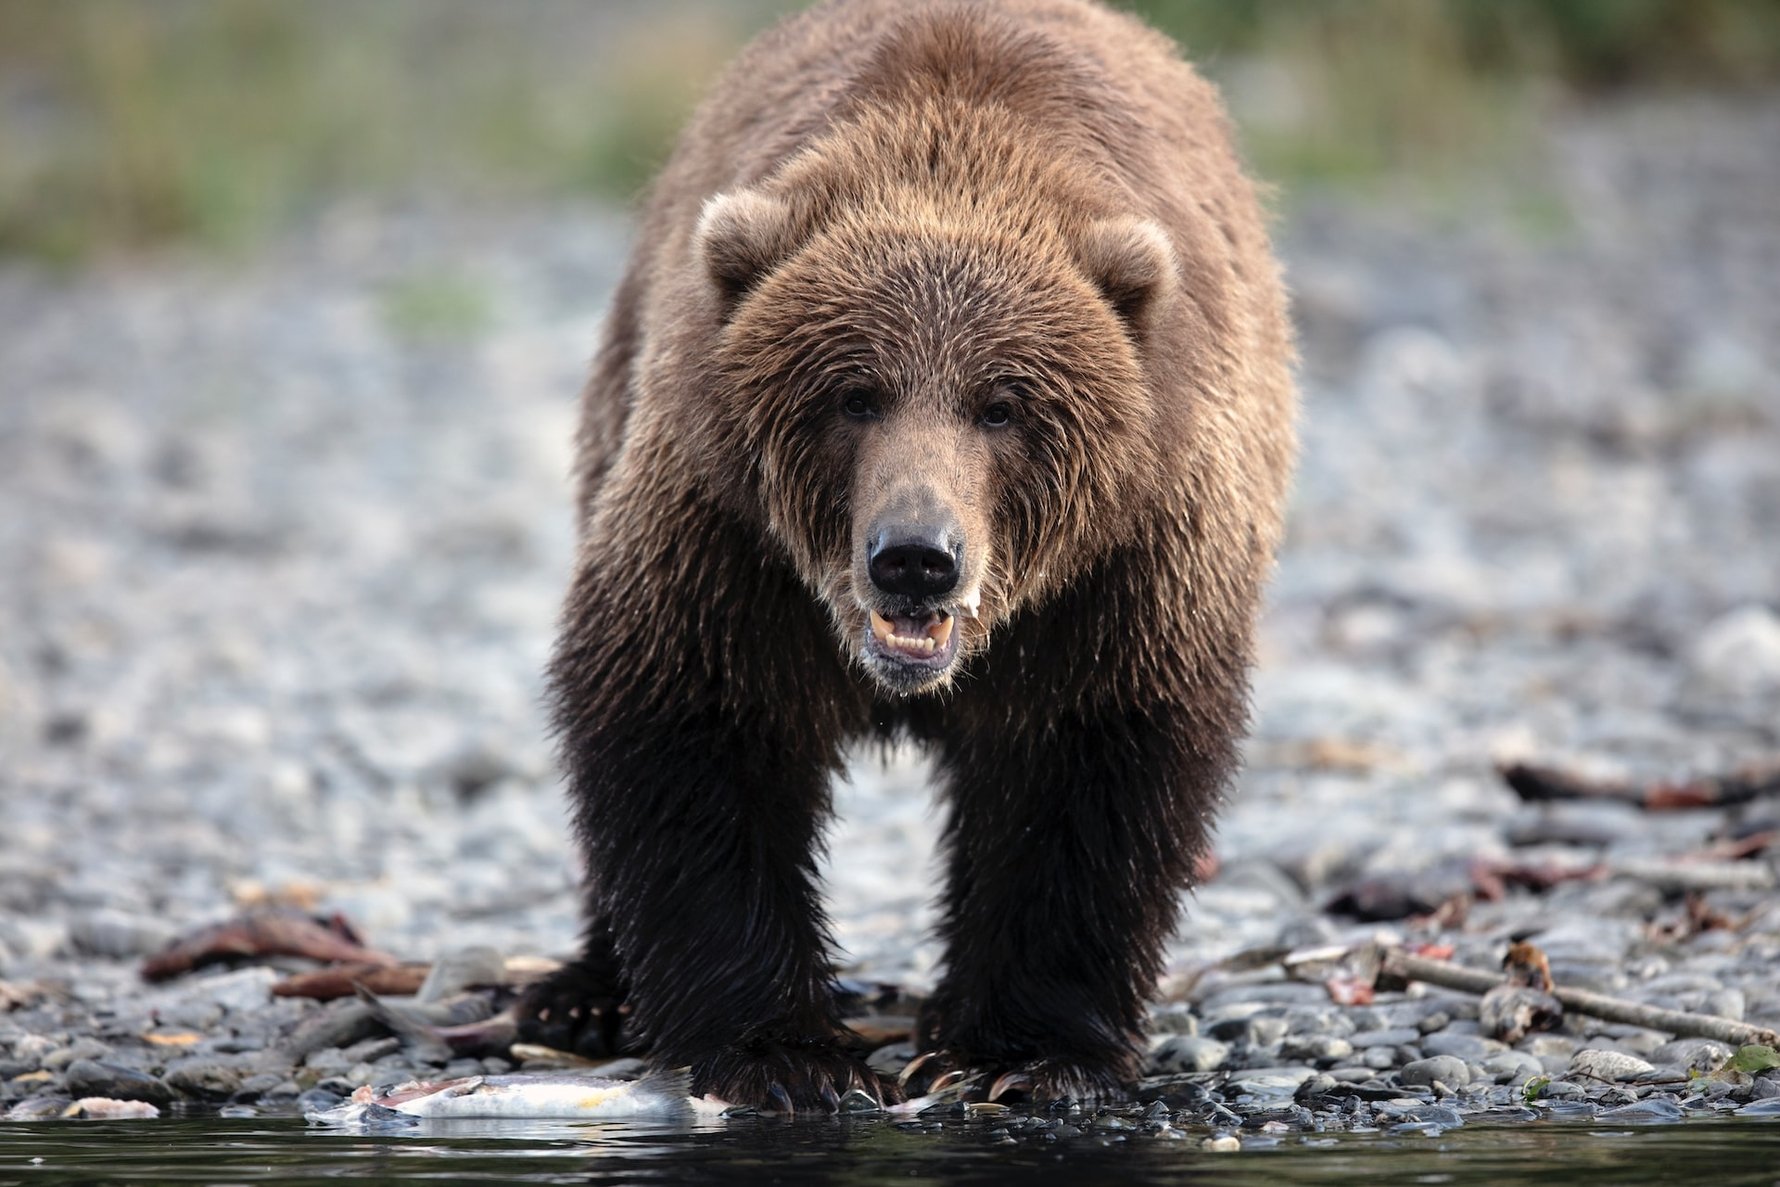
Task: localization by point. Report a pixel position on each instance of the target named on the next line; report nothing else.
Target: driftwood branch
(1596, 1005)
(1541, 784)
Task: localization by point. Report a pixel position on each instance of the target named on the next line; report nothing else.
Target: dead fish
(528, 1096)
(39, 1108)
(103, 1108)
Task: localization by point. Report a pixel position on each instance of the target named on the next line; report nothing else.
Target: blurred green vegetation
(129, 123)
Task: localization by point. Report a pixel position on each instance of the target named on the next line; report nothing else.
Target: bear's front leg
(1066, 850)
(699, 785)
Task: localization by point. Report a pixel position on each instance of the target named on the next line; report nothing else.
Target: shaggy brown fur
(947, 395)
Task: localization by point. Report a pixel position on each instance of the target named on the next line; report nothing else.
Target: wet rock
(32, 1049)
(202, 1001)
(1382, 1058)
(1739, 653)
(1542, 1045)
(1255, 1030)
(1564, 1090)
(1702, 1055)
(1187, 1053)
(87, 1077)
(210, 1078)
(1463, 1046)
(79, 1049)
(117, 935)
(1318, 1085)
(1512, 1067)
(1598, 1064)
(1652, 1110)
(1351, 1073)
(1443, 1069)
(1315, 1048)
(1269, 1082)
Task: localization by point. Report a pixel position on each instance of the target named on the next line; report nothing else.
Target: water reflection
(864, 1151)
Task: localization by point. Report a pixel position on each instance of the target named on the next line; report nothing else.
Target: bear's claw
(788, 1076)
(1035, 1081)
(579, 1008)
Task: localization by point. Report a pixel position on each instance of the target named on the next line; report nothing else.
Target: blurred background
(296, 297)
(217, 122)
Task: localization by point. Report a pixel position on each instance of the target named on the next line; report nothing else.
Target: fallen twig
(1683, 1023)
(1542, 784)
(344, 980)
(265, 932)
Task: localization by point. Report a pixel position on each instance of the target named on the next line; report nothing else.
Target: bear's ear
(1132, 263)
(742, 236)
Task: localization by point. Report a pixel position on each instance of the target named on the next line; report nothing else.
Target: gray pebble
(1652, 1110)
(1702, 1055)
(1269, 1082)
(1599, 1064)
(86, 1077)
(1389, 1037)
(1187, 1053)
(1464, 1046)
(207, 1079)
(1351, 1073)
(79, 1049)
(1380, 1058)
(117, 935)
(1512, 1067)
(1315, 1048)
(1444, 1069)
(1541, 1045)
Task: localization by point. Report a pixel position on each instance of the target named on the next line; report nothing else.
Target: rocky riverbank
(283, 544)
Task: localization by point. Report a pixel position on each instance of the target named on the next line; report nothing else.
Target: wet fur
(939, 192)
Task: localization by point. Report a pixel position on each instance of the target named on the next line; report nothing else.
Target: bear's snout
(915, 560)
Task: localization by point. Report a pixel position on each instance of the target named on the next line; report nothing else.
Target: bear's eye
(858, 404)
(1000, 413)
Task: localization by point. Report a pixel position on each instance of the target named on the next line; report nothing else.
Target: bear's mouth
(923, 642)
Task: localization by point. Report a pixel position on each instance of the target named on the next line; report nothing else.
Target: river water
(870, 1150)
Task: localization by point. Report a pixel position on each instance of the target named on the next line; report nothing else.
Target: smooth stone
(1256, 1031)
(117, 935)
(1701, 1055)
(1394, 1036)
(1462, 1046)
(1269, 1082)
(1319, 1085)
(1187, 1053)
(207, 1078)
(1652, 1110)
(1445, 1069)
(1565, 1090)
(86, 1077)
(1541, 1045)
(1351, 1074)
(1512, 1067)
(1555, 1065)
(1611, 1066)
(1380, 1059)
(87, 1048)
(1729, 1002)
(1172, 1019)
(201, 1002)
(1768, 1106)
(1315, 1048)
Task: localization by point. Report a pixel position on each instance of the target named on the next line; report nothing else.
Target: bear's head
(946, 418)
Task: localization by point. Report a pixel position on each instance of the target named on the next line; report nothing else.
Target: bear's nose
(913, 560)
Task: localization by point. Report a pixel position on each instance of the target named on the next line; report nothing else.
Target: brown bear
(947, 396)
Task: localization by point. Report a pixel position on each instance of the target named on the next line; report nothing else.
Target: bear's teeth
(880, 627)
(940, 633)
